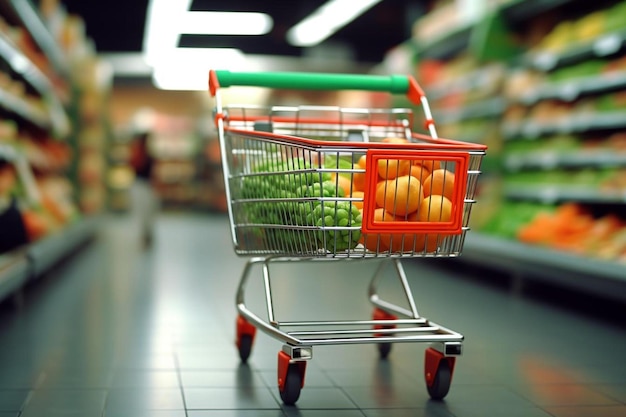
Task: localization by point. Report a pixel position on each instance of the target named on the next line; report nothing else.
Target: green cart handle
(394, 84)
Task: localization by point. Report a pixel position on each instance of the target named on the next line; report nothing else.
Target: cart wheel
(438, 372)
(384, 349)
(245, 347)
(245, 338)
(292, 385)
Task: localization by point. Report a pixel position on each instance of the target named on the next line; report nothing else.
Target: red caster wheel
(290, 378)
(245, 338)
(438, 373)
(383, 348)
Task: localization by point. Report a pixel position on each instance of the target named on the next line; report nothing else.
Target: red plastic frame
(458, 198)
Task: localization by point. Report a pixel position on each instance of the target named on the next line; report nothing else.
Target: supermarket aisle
(122, 332)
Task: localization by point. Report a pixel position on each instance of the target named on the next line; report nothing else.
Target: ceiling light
(226, 23)
(326, 20)
(188, 68)
(166, 20)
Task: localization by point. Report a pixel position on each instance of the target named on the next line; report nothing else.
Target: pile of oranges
(410, 190)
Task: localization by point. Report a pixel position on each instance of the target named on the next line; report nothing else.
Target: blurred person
(144, 202)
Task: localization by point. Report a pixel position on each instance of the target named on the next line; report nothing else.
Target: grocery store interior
(372, 208)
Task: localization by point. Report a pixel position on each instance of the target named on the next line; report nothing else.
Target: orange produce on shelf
(35, 224)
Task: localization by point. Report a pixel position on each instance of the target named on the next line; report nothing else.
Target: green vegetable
(294, 193)
(335, 220)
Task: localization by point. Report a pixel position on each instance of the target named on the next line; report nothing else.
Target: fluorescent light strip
(167, 19)
(326, 20)
(188, 68)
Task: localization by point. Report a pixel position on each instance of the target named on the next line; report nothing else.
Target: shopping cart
(314, 183)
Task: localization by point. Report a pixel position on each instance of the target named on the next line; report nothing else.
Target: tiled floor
(122, 332)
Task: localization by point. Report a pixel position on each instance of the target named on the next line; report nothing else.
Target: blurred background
(107, 129)
(88, 88)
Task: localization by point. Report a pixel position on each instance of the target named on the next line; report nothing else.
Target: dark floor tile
(18, 378)
(55, 378)
(65, 401)
(12, 400)
(299, 412)
(461, 396)
(251, 398)
(430, 410)
(586, 411)
(616, 392)
(145, 413)
(242, 377)
(322, 398)
(235, 413)
(564, 395)
(387, 397)
(144, 379)
(127, 399)
(487, 410)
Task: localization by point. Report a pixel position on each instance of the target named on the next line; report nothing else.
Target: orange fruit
(440, 182)
(395, 140)
(434, 208)
(429, 164)
(342, 182)
(402, 195)
(362, 162)
(419, 171)
(392, 168)
(381, 189)
(378, 241)
(358, 194)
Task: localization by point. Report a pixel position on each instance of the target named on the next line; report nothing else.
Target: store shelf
(603, 46)
(605, 278)
(570, 159)
(24, 110)
(26, 12)
(57, 118)
(14, 272)
(575, 123)
(572, 89)
(487, 108)
(550, 194)
(48, 251)
(447, 44)
(521, 10)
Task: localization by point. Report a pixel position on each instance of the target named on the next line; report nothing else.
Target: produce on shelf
(573, 229)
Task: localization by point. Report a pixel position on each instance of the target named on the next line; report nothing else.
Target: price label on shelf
(545, 61)
(607, 45)
(549, 194)
(548, 160)
(569, 91)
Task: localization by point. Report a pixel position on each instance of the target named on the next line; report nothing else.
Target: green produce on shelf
(511, 217)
